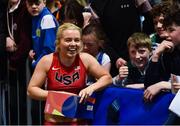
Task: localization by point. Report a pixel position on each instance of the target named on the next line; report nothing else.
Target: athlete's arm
(38, 78)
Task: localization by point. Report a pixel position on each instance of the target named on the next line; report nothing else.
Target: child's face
(174, 33)
(90, 44)
(139, 56)
(158, 26)
(35, 6)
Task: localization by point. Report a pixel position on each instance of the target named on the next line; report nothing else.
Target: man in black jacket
(120, 19)
(18, 45)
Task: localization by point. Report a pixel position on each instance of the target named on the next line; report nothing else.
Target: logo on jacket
(38, 32)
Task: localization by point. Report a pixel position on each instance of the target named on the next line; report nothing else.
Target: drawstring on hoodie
(10, 10)
(10, 31)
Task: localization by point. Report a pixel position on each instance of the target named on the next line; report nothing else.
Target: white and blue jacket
(44, 28)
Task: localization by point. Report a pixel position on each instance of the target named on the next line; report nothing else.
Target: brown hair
(161, 8)
(139, 39)
(95, 28)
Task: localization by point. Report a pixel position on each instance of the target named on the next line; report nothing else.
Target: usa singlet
(71, 79)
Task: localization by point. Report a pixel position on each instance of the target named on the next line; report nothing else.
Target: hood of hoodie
(13, 7)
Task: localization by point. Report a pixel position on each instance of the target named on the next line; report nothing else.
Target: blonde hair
(61, 29)
(139, 39)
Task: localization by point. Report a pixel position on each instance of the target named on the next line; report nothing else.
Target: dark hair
(161, 8)
(173, 17)
(95, 28)
(176, 3)
(72, 10)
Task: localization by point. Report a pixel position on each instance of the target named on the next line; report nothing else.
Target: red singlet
(71, 79)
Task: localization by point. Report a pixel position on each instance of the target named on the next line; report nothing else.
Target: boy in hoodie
(44, 27)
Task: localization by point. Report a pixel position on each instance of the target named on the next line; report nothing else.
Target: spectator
(161, 36)
(18, 44)
(44, 27)
(93, 43)
(168, 53)
(132, 73)
(72, 12)
(158, 12)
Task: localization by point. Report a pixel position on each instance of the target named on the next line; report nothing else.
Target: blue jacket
(44, 28)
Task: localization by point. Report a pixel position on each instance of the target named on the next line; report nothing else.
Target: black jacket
(161, 70)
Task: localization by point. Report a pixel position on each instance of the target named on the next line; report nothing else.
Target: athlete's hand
(85, 93)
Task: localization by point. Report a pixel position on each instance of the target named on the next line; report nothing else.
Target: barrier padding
(125, 106)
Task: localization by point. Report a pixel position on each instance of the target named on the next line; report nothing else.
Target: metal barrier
(15, 105)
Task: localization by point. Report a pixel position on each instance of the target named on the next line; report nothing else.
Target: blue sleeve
(49, 43)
